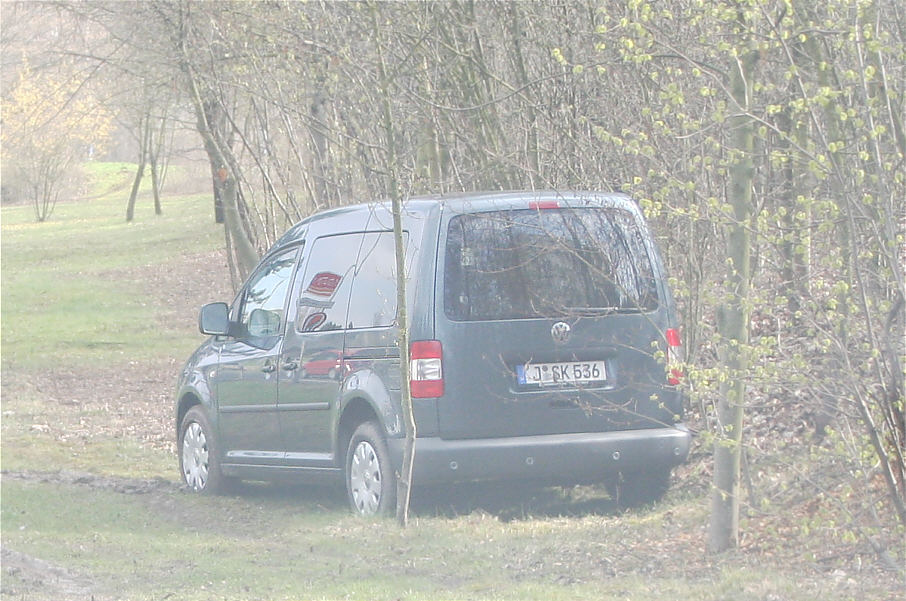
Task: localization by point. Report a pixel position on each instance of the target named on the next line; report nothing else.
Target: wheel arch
(187, 400)
(355, 412)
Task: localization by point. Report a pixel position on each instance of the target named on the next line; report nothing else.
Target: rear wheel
(199, 461)
(639, 489)
(370, 481)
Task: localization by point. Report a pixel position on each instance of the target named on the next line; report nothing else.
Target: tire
(199, 458)
(631, 491)
(370, 479)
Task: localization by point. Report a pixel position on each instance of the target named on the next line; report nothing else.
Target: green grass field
(67, 296)
(97, 317)
(286, 543)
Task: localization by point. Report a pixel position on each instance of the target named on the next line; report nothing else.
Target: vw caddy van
(543, 348)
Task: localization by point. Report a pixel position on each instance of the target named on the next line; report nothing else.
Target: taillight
(674, 357)
(426, 374)
(537, 205)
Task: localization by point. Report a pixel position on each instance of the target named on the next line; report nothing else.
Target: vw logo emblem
(560, 332)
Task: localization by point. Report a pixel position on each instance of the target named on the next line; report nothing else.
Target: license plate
(569, 372)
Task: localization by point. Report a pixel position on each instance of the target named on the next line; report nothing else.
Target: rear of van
(553, 329)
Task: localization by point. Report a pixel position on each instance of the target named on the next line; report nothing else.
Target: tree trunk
(796, 238)
(139, 174)
(531, 134)
(318, 132)
(155, 146)
(225, 181)
(429, 156)
(404, 481)
(158, 157)
(144, 127)
(155, 185)
(213, 120)
(734, 318)
(42, 202)
(246, 255)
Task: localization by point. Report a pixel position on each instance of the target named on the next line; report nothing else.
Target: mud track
(27, 577)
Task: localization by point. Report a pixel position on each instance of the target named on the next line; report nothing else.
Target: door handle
(290, 365)
(269, 368)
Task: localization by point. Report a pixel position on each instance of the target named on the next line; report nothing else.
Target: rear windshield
(523, 264)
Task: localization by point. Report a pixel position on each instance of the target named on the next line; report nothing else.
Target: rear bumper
(555, 458)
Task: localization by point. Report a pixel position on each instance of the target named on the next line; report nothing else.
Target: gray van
(544, 343)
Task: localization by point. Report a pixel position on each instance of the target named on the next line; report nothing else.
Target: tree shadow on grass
(320, 497)
(507, 501)
(512, 501)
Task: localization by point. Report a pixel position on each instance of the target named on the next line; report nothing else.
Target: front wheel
(639, 489)
(370, 480)
(199, 462)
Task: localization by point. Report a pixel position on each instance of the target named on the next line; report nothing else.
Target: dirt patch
(26, 577)
(81, 406)
(132, 402)
(179, 287)
(127, 486)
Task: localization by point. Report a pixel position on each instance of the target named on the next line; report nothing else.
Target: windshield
(528, 263)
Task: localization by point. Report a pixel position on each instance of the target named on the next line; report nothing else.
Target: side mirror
(214, 319)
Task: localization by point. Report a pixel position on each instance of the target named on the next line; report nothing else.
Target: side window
(324, 292)
(373, 302)
(264, 300)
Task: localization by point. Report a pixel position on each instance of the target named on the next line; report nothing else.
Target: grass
(275, 542)
(29, 444)
(79, 328)
(65, 297)
(90, 352)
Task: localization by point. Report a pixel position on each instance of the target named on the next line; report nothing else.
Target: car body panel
(246, 387)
